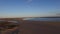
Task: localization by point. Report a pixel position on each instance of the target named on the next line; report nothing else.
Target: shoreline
(40, 27)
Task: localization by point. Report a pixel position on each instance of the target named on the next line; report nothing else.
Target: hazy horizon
(29, 8)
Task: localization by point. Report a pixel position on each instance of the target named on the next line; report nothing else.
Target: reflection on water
(8, 21)
(2, 20)
(42, 19)
(13, 21)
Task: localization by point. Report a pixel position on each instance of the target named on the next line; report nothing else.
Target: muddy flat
(35, 27)
(39, 27)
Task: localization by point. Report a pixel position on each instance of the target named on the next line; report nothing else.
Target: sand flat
(39, 27)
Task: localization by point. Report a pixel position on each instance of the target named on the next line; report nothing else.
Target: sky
(29, 8)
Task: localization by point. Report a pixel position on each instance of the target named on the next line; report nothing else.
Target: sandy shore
(39, 27)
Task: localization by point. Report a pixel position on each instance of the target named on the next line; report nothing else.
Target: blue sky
(29, 8)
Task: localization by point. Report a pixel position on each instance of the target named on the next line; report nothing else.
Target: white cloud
(29, 1)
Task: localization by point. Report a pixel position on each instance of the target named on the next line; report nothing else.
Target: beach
(36, 27)
(39, 27)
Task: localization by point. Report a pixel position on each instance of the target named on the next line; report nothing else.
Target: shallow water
(42, 19)
(13, 21)
(9, 21)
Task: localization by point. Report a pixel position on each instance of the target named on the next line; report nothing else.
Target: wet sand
(39, 27)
